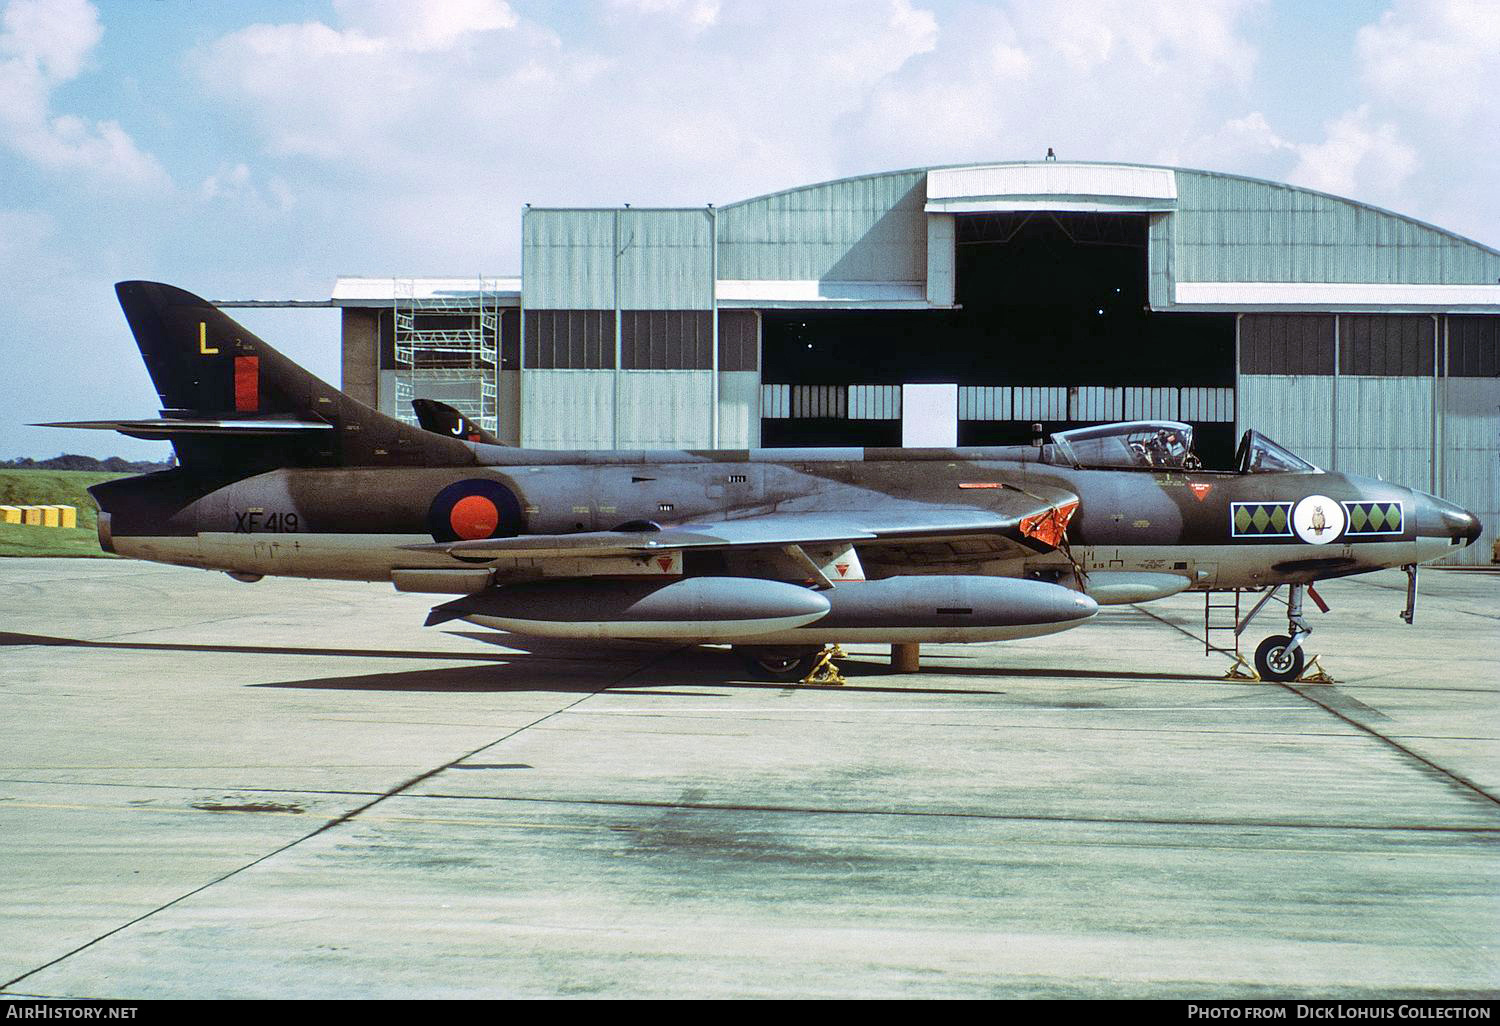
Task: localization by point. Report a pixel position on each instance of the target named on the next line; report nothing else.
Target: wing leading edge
(1030, 522)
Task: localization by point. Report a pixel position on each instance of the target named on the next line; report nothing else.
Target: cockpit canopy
(1136, 444)
(1259, 455)
(1163, 445)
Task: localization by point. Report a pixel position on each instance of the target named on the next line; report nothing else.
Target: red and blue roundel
(476, 508)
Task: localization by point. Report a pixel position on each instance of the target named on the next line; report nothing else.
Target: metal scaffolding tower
(447, 348)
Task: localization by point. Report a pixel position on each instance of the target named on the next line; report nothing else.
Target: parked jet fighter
(775, 551)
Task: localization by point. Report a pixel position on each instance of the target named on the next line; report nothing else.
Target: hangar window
(510, 339)
(664, 339)
(1386, 344)
(1474, 347)
(739, 340)
(1286, 344)
(570, 339)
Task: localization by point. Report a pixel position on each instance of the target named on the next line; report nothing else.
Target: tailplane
(442, 419)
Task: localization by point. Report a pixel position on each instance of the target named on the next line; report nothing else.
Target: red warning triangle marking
(665, 562)
(842, 568)
(1200, 491)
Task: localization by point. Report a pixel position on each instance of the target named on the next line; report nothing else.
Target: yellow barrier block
(51, 515)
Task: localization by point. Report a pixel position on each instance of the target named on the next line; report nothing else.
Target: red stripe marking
(246, 384)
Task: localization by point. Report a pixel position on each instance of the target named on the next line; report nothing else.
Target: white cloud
(53, 36)
(425, 26)
(1244, 142)
(1440, 58)
(1431, 68)
(1358, 157)
(696, 15)
(511, 110)
(236, 184)
(1115, 80)
(45, 44)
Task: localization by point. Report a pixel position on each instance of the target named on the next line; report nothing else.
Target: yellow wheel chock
(824, 673)
(1315, 674)
(1241, 670)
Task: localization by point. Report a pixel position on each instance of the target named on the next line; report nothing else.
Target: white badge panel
(1318, 520)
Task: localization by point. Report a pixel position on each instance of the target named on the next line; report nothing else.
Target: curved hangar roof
(1216, 241)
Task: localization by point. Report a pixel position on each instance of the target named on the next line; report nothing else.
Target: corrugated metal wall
(859, 229)
(739, 409)
(1238, 229)
(666, 259)
(1385, 429)
(665, 409)
(1470, 454)
(568, 409)
(568, 260)
(1295, 410)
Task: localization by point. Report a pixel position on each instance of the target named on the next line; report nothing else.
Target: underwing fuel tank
(693, 609)
(709, 609)
(1117, 588)
(946, 608)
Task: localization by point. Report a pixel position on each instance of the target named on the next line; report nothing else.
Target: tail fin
(442, 419)
(210, 370)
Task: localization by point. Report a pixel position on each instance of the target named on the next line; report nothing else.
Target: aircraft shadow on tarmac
(572, 667)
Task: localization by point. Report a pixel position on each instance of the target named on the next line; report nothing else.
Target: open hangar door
(1052, 326)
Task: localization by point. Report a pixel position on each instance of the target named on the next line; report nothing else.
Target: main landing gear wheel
(779, 664)
(1275, 661)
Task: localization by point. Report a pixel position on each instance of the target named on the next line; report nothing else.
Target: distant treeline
(71, 461)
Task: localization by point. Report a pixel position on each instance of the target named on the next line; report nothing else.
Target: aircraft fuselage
(1217, 529)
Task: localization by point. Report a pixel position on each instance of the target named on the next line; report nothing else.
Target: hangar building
(962, 305)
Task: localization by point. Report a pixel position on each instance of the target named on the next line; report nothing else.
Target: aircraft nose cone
(1470, 534)
(1440, 519)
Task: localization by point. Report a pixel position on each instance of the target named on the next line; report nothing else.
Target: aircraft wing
(1027, 521)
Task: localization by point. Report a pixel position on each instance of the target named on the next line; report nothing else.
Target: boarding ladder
(1219, 617)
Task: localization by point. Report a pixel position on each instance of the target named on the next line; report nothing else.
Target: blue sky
(262, 149)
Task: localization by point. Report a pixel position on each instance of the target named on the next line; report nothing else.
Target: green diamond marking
(1242, 520)
(1357, 517)
(1260, 518)
(1393, 516)
(1278, 519)
(1377, 518)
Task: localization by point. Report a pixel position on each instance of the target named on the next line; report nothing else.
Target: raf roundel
(473, 509)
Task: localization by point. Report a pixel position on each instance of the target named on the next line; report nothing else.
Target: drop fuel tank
(689, 610)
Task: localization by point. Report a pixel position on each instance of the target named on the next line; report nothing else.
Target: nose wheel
(1280, 657)
(1276, 659)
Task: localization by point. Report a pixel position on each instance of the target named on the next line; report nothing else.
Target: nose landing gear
(1281, 656)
